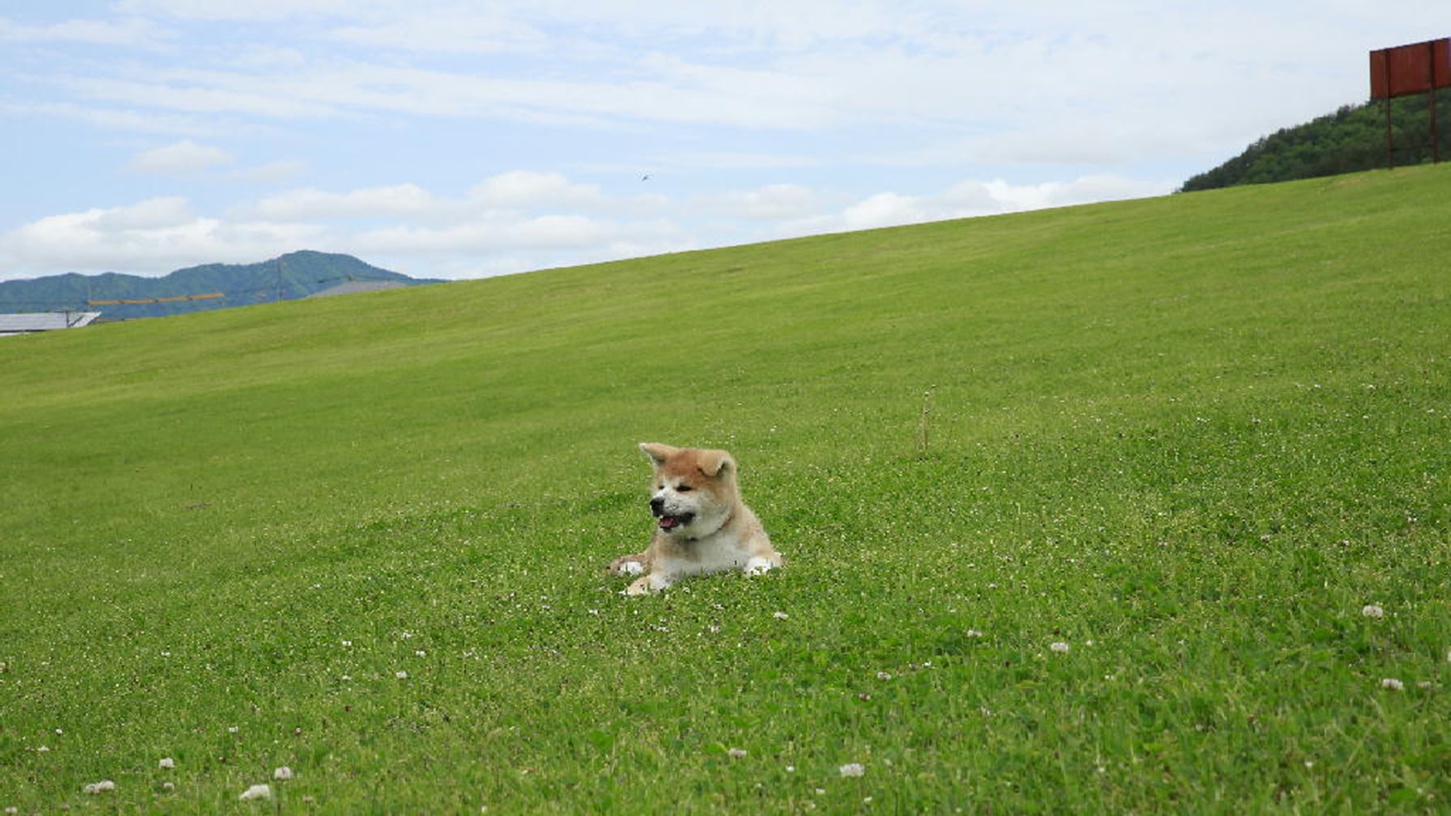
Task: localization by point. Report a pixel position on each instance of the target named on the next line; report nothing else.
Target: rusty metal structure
(1409, 70)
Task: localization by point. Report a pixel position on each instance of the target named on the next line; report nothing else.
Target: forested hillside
(1350, 140)
(198, 288)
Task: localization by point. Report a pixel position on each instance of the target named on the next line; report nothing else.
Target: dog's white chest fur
(717, 552)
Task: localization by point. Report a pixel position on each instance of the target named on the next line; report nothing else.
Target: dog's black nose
(657, 506)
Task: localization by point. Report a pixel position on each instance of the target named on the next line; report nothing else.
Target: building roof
(43, 321)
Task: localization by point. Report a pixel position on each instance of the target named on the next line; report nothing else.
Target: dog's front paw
(758, 566)
(627, 565)
(653, 582)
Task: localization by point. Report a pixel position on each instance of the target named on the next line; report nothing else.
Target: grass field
(1133, 508)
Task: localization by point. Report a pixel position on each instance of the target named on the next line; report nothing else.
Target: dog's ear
(714, 463)
(657, 452)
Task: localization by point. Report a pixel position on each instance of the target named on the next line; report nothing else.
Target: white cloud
(505, 244)
(1082, 190)
(462, 30)
(550, 231)
(970, 199)
(225, 93)
(110, 118)
(740, 160)
(508, 223)
(126, 31)
(181, 158)
(150, 237)
(886, 210)
(770, 203)
(271, 173)
(251, 10)
(502, 196)
(398, 200)
(525, 189)
(1058, 78)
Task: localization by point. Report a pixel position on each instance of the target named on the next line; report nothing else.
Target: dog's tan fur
(703, 525)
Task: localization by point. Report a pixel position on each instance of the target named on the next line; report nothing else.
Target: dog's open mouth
(669, 522)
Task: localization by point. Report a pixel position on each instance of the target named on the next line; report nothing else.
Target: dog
(701, 524)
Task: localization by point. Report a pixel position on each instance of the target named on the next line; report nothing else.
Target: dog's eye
(684, 489)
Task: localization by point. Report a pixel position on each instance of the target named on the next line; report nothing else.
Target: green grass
(1191, 438)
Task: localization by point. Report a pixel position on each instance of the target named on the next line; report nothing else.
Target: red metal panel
(1410, 69)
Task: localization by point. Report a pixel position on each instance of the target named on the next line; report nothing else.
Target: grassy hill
(1137, 507)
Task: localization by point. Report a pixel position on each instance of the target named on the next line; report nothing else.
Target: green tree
(1350, 140)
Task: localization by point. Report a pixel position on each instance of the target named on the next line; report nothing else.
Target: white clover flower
(256, 792)
(282, 774)
(104, 786)
(974, 633)
(881, 675)
(1059, 647)
(1393, 684)
(1372, 611)
(780, 615)
(401, 675)
(737, 753)
(852, 769)
(167, 763)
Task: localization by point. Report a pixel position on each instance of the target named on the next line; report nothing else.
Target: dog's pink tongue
(667, 522)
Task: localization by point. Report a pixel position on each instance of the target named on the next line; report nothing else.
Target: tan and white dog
(702, 526)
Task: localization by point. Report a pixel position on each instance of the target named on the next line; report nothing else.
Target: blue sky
(442, 138)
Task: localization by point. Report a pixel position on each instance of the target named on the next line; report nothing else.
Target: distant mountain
(1350, 140)
(195, 289)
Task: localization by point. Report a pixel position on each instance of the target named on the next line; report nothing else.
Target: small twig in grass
(924, 422)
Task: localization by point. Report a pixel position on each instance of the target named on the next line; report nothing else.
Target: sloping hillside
(1132, 508)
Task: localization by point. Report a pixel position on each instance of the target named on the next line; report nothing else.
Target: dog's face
(693, 491)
